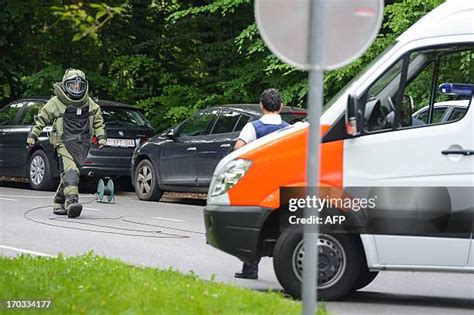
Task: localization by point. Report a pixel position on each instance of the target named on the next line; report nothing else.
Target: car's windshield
(122, 116)
(293, 117)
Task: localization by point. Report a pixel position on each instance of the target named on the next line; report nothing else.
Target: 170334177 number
(25, 304)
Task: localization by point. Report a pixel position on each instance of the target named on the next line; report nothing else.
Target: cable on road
(165, 227)
(161, 234)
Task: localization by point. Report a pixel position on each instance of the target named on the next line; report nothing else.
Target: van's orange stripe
(283, 163)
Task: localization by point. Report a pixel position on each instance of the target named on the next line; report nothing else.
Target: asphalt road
(171, 234)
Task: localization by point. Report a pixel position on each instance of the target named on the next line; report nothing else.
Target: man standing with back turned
(270, 106)
(75, 119)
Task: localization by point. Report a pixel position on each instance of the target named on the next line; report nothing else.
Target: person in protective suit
(75, 118)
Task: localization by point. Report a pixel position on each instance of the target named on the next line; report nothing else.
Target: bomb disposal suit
(75, 118)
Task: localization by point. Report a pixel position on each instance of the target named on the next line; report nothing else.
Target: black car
(184, 158)
(126, 128)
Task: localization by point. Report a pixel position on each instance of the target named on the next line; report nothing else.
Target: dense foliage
(170, 58)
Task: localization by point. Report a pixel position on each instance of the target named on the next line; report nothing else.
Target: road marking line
(17, 196)
(93, 209)
(169, 219)
(8, 199)
(26, 251)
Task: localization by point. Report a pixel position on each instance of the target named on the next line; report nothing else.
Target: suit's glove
(30, 141)
(102, 142)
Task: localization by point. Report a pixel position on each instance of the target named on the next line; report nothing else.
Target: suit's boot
(59, 200)
(73, 207)
(71, 191)
(59, 195)
(58, 209)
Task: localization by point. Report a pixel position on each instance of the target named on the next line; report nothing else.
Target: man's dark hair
(271, 100)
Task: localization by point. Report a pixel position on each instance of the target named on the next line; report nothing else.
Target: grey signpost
(316, 35)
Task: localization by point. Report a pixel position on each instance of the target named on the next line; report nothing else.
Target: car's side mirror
(352, 122)
(171, 133)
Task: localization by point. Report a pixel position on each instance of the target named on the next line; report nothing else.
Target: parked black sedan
(126, 128)
(184, 158)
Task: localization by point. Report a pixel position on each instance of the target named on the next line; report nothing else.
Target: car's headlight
(230, 175)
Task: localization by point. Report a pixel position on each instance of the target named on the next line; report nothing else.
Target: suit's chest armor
(76, 132)
(76, 123)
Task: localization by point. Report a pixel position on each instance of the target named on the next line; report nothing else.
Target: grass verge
(90, 284)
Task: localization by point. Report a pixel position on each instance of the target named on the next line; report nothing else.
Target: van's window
(380, 99)
(31, 110)
(392, 76)
(346, 87)
(411, 88)
(447, 66)
(226, 122)
(9, 112)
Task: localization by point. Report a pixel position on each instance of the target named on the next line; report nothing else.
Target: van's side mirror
(352, 123)
(171, 133)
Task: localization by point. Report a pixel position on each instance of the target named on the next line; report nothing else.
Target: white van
(370, 139)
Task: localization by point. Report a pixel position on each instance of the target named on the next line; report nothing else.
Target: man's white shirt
(248, 133)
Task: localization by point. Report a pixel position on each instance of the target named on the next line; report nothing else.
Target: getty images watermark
(318, 203)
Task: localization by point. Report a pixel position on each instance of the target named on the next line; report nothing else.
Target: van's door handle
(191, 149)
(461, 152)
(225, 145)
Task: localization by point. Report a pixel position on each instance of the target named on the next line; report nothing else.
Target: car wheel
(39, 172)
(146, 182)
(339, 263)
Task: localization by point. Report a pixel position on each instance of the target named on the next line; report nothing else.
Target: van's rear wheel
(339, 263)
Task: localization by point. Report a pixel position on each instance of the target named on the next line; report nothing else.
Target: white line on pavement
(25, 251)
(92, 209)
(8, 199)
(17, 196)
(169, 219)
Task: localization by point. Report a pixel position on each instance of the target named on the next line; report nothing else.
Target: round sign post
(316, 35)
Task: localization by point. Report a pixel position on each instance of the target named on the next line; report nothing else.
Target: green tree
(170, 58)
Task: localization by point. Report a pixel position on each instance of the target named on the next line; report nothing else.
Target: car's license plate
(128, 143)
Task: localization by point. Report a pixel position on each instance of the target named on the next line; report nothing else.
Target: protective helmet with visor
(74, 84)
